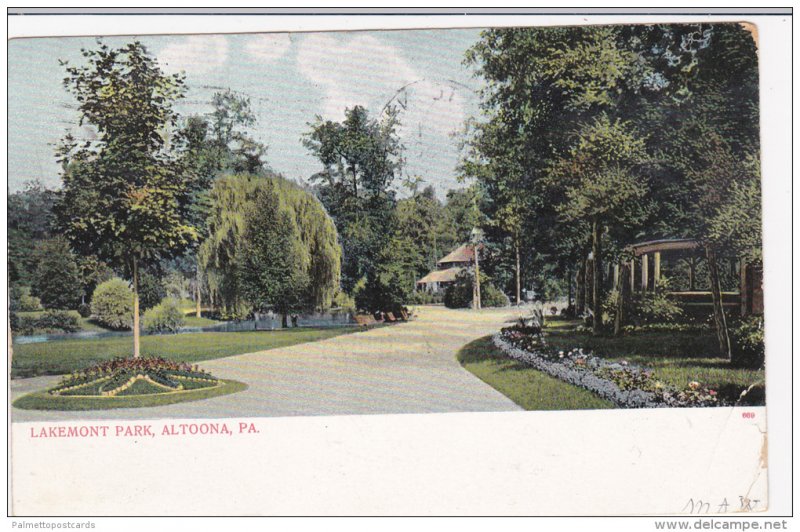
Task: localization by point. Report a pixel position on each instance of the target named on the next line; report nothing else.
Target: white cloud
(366, 71)
(197, 54)
(268, 48)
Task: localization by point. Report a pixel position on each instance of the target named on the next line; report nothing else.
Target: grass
(44, 401)
(64, 356)
(529, 388)
(675, 357)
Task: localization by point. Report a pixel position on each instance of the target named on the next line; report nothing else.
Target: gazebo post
(633, 275)
(645, 273)
(656, 269)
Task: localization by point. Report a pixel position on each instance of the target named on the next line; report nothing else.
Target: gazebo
(685, 261)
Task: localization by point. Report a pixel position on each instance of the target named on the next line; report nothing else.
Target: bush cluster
(50, 322)
(747, 342)
(459, 294)
(166, 317)
(112, 304)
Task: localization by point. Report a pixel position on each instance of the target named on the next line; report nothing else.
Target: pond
(263, 322)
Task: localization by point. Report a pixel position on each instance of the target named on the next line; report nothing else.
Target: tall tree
(603, 187)
(361, 158)
(125, 196)
(311, 231)
(272, 263)
(57, 280)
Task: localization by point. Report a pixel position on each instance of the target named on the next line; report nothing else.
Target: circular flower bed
(626, 385)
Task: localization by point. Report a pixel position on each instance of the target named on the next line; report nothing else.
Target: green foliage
(166, 317)
(57, 320)
(311, 232)
(459, 294)
(56, 281)
(22, 300)
(112, 304)
(126, 195)
(84, 310)
(51, 321)
(656, 307)
(151, 290)
(30, 219)
(747, 337)
(273, 265)
(361, 157)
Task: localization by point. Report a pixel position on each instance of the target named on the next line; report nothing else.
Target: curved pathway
(404, 368)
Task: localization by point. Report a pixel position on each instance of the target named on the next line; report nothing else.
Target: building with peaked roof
(447, 269)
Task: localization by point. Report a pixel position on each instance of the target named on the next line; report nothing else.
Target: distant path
(405, 368)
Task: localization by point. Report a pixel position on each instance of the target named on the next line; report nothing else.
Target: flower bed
(133, 376)
(627, 385)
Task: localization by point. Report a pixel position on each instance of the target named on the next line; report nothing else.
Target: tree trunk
(477, 281)
(519, 282)
(622, 299)
(588, 285)
(197, 292)
(285, 320)
(135, 310)
(719, 312)
(580, 288)
(569, 288)
(597, 279)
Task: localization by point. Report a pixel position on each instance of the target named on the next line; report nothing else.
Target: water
(262, 322)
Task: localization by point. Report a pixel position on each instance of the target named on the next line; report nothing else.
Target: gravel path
(406, 368)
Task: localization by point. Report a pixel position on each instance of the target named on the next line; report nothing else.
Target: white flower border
(585, 378)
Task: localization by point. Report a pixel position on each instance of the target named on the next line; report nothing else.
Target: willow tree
(312, 235)
(125, 196)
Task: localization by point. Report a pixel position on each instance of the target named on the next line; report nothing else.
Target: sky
(290, 79)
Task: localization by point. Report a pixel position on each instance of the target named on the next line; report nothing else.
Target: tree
(30, 219)
(125, 196)
(272, 264)
(57, 280)
(232, 199)
(361, 158)
(214, 145)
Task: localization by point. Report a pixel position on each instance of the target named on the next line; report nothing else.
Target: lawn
(529, 388)
(45, 401)
(675, 357)
(64, 356)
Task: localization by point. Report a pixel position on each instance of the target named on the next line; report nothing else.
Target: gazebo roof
(441, 276)
(668, 244)
(463, 253)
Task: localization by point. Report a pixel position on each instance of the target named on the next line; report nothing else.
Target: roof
(441, 276)
(673, 244)
(462, 253)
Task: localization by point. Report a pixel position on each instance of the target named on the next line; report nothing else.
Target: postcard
(497, 270)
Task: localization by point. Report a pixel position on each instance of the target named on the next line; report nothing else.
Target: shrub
(459, 294)
(492, 296)
(23, 301)
(151, 291)
(58, 320)
(57, 279)
(747, 342)
(167, 317)
(420, 297)
(656, 307)
(84, 310)
(13, 321)
(112, 304)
